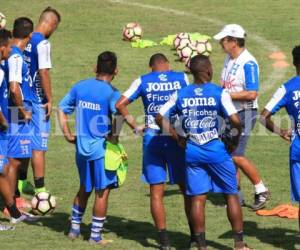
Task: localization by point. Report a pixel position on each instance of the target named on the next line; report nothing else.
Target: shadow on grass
(144, 232)
(281, 238)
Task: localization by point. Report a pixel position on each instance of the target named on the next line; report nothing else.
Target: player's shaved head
(296, 57)
(201, 69)
(159, 62)
(48, 14)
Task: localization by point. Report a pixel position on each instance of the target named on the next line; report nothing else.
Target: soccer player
(288, 97)
(161, 155)
(240, 77)
(5, 188)
(209, 166)
(94, 100)
(38, 59)
(20, 102)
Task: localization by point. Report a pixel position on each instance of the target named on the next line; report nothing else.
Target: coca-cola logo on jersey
(153, 108)
(205, 123)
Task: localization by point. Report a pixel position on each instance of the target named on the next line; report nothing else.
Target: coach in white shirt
(240, 76)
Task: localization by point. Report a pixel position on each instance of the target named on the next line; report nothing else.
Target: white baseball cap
(233, 30)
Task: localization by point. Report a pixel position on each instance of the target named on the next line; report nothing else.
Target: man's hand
(139, 130)
(26, 115)
(181, 141)
(71, 138)
(286, 134)
(48, 108)
(113, 139)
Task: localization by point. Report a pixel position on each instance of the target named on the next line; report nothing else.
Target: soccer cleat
(73, 234)
(25, 217)
(22, 203)
(260, 200)
(100, 242)
(25, 187)
(6, 228)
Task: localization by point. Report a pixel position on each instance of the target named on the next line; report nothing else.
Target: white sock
(260, 188)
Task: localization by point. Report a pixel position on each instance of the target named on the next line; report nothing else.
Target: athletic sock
(200, 239)
(14, 211)
(97, 226)
(260, 188)
(39, 182)
(238, 236)
(17, 192)
(22, 174)
(163, 237)
(77, 214)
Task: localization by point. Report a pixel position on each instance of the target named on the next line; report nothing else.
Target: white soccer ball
(203, 47)
(132, 32)
(178, 39)
(188, 61)
(186, 52)
(2, 21)
(43, 203)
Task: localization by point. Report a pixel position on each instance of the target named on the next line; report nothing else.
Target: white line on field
(274, 77)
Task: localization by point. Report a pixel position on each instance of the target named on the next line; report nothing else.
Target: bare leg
(248, 168)
(157, 206)
(101, 202)
(187, 206)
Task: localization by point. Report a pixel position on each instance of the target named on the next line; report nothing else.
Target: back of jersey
(37, 56)
(155, 89)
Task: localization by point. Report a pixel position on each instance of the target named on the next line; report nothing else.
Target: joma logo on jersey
(163, 86)
(198, 101)
(89, 105)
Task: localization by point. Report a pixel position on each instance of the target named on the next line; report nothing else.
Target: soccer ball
(203, 47)
(43, 203)
(179, 39)
(2, 21)
(132, 32)
(186, 52)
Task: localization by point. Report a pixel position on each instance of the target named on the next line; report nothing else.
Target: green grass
(89, 27)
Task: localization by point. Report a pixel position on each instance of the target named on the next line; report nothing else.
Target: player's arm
(15, 63)
(116, 124)
(66, 107)
(231, 139)
(130, 95)
(3, 122)
(278, 100)
(162, 117)
(251, 84)
(44, 61)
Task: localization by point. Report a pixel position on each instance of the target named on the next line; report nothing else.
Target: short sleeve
(113, 100)
(134, 90)
(170, 106)
(186, 79)
(227, 105)
(68, 103)
(15, 63)
(44, 58)
(277, 101)
(251, 76)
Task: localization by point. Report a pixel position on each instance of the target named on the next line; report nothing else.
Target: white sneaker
(26, 217)
(6, 227)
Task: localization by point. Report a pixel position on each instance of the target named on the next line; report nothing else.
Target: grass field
(89, 27)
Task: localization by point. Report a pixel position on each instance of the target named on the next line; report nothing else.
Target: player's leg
(81, 198)
(224, 180)
(41, 128)
(103, 180)
(176, 171)
(248, 120)
(38, 166)
(155, 174)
